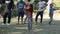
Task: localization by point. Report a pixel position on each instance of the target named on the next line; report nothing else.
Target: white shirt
(41, 5)
(7, 1)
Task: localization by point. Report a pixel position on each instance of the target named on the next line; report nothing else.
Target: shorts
(50, 15)
(21, 14)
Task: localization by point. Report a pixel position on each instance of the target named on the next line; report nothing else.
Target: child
(20, 6)
(29, 9)
(51, 12)
(42, 4)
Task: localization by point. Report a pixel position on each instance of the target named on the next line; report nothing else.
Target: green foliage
(35, 4)
(36, 1)
(35, 11)
(2, 7)
(57, 4)
(14, 13)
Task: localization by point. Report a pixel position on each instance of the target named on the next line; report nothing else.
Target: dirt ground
(40, 28)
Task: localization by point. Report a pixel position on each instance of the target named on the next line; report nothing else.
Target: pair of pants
(5, 16)
(30, 22)
(51, 18)
(41, 15)
(20, 14)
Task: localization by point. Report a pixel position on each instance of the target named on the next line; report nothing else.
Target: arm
(56, 8)
(45, 4)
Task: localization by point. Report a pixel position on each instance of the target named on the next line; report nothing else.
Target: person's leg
(9, 18)
(4, 18)
(26, 18)
(30, 22)
(18, 17)
(41, 17)
(22, 15)
(51, 18)
(37, 17)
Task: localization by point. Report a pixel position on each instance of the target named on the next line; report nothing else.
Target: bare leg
(18, 19)
(51, 18)
(25, 20)
(22, 20)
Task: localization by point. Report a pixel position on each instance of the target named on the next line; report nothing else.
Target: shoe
(3, 24)
(8, 24)
(49, 23)
(35, 22)
(24, 23)
(40, 21)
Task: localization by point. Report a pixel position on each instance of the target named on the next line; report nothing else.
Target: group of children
(23, 7)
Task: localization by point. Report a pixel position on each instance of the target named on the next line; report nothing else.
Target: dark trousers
(41, 15)
(5, 16)
(51, 17)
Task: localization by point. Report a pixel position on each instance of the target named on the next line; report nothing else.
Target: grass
(43, 28)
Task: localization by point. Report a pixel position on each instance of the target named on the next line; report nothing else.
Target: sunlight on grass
(36, 30)
(21, 27)
(16, 33)
(56, 17)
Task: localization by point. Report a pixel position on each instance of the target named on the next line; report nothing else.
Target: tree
(35, 4)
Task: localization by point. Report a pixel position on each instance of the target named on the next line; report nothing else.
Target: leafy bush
(14, 13)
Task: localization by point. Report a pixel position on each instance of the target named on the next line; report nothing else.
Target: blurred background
(43, 28)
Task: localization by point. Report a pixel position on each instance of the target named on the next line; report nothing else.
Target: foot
(3, 24)
(24, 23)
(29, 28)
(8, 24)
(18, 23)
(49, 23)
(40, 22)
(36, 23)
